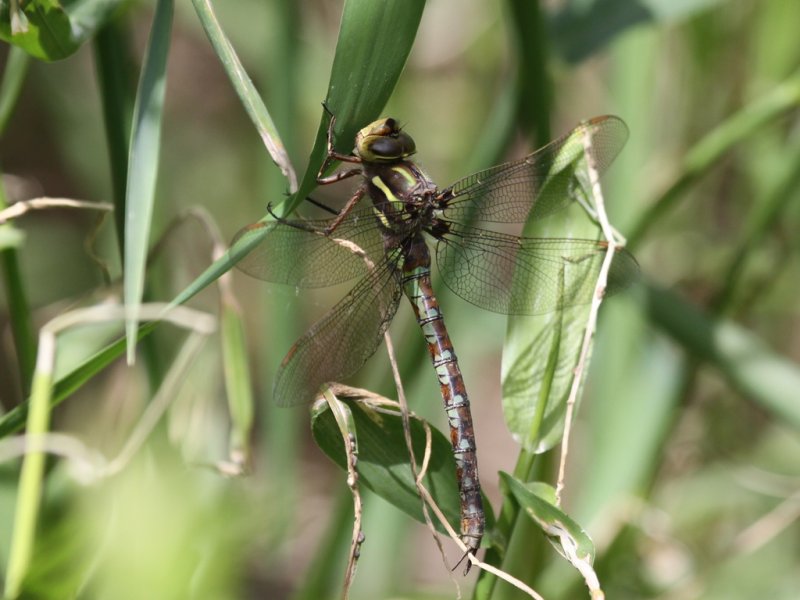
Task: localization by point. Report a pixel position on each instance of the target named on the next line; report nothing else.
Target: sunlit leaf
(537, 500)
(52, 30)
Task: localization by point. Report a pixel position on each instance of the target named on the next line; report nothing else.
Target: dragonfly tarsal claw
(331, 125)
(465, 557)
(273, 215)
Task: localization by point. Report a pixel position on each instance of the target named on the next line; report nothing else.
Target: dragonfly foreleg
(296, 224)
(332, 155)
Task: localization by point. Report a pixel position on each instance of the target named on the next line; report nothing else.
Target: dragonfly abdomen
(417, 286)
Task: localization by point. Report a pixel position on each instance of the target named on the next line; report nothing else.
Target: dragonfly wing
(526, 276)
(341, 342)
(541, 183)
(298, 253)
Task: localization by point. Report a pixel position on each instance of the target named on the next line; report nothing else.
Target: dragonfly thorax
(401, 194)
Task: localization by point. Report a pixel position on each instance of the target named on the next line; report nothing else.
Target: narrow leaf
(255, 107)
(375, 39)
(566, 536)
(143, 165)
(237, 381)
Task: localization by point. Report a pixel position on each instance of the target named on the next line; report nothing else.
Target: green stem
(30, 484)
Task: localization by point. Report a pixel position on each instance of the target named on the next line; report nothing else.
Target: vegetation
(152, 132)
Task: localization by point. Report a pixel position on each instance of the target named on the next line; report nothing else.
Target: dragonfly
(389, 246)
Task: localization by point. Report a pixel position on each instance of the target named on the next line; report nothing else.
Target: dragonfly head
(384, 141)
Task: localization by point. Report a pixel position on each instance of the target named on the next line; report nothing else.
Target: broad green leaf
(143, 165)
(52, 30)
(540, 353)
(537, 383)
(383, 462)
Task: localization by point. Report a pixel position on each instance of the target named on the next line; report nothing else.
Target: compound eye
(386, 147)
(384, 141)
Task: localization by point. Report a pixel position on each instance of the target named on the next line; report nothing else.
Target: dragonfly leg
(338, 176)
(332, 155)
(291, 223)
(472, 548)
(345, 211)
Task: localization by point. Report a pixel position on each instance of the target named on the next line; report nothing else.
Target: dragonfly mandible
(387, 245)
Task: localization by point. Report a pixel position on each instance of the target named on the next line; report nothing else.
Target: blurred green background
(684, 461)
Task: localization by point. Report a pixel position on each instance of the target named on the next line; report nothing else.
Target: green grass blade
(13, 420)
(246, 91)
(534, 88)
(112, 55)
(764, 216)
(375, 39)
(537, 501)
(30, 485)
(237, 380)
(14, 72)
(19, 313)
(16, 68)
(143, 165)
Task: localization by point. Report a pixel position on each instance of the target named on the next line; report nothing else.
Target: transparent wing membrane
(297, 252)
(496, 271)
(526, 276)
(540, 184)
(341, 342)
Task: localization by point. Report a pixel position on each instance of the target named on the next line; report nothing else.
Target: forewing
(298, 253)
(541, 183)
(526, 276)
(341, 342)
